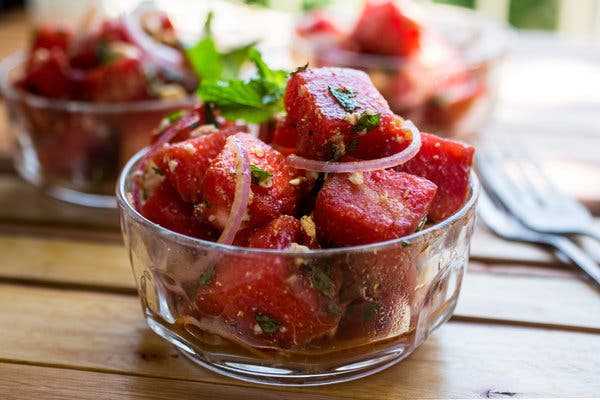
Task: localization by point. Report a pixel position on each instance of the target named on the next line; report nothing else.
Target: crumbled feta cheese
(297, 181)
(189, 147)
(203, 130)
(172, 165)
(356, 178)
(309, 226)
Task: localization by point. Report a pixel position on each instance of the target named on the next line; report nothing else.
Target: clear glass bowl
(437, 95)
(75, 150)
(252, 313)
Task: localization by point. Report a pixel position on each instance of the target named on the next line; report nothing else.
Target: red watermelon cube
(275, 190)
(332, 110)
(185, 163)
(370, 207)
(447, 163)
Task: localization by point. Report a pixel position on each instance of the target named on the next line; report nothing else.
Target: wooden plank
(106, 333)
(552, 301)
(498, 292)
(79, 263)
(34, 382)
(22, 203)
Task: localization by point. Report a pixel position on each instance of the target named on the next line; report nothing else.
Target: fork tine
(492, 165)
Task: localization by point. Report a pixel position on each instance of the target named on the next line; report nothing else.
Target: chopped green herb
(333, 308)
(267, 324)
(207, 204)
(422, 223)
(103, 53)
(263, 3)
(175, 116)
(179, 299)
(321, 278)
(261, 177)
(308, 5)
(404, 243)
(352, 145)
(157, 171)
(207, 277)
(345, 96)
(366, 122)
(369, 311)
(300, 69)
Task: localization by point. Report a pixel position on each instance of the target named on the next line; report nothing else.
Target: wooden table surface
(527, 324)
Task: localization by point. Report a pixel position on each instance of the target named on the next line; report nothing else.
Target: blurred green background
(525, 14)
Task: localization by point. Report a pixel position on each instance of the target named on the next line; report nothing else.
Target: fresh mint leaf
(344, 96)
(254, 100)
(204, 57)
(261, 176)
(366, 122)
(233, 60)
(267, 324)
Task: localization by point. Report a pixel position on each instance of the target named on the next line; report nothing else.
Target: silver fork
(505, 225)
(517, 179)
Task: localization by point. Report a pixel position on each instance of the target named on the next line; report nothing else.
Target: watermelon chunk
(165, 208)
(185, 163)
(266, 302)
(328, 128)
(271, 197)
(48, 73)
(370, 207)
(279, 233)
(447, 163)
(385, 29)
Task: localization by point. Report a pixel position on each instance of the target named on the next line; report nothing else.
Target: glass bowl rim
(367, 60)
(124, 205)
(11, 93)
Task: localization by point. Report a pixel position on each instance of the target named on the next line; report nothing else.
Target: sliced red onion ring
(361, 166)
(162, 54)
(242, 192)
(184, 122)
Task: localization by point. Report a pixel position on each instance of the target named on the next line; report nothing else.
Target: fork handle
(578, 256)
(590, 231)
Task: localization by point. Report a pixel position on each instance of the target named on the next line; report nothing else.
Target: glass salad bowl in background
(74, 150)
(446, 84)
(379, 301)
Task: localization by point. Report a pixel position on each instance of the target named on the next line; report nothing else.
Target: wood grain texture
(106, 333)
(61, 384)
(554, 301)
(549, 296)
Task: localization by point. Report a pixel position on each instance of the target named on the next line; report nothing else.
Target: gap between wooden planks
(106, 333)
(558, 299)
